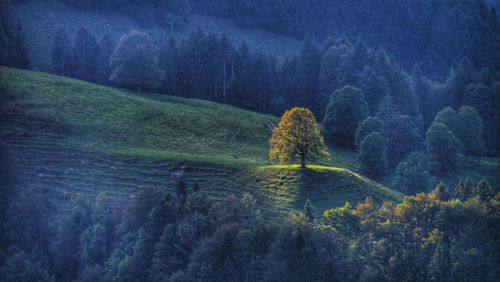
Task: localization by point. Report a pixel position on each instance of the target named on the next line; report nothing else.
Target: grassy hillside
(66, 136)
(41, 19)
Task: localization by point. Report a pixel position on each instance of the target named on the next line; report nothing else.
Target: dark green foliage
(413, 174)
(369, 125)
(465, 189)
(486, 100)
(448, 117)
(61, 53)
(467, 127)
(21, 267)
(442, 147)
(4, 44)
(442, 192)
(422, 238)
(19, 50)
(484, 191)
(85, 55)
(345, 111)
(135, 62)
(402, 138)
(300, 253)
(469, 131)
(387, 109)
(373, 155)
(308, 211)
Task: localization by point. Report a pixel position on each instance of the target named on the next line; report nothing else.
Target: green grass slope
(66, 136)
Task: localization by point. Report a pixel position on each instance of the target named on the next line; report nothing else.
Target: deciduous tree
(297, 136)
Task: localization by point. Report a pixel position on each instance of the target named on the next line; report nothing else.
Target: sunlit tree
(297, 136)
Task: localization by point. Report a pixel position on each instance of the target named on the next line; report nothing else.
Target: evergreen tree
(484, 191)
(61, 53)
(373, 155)
(308, 211)
(106, 49)
(443, 147)
(135, 62)
(387, 109)
(19, 53)
(345, 111)
(442, 192)
(4, 44)
(85, 55)
(465, 189)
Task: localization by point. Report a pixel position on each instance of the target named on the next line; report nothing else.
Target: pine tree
(484, 191)
(61, 53)
(308, 211)
(85, 54)
(20, 51)
(442, 192)
(387, 109)
(106, 49)
(465, 189)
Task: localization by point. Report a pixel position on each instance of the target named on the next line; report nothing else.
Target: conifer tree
(465, 189)
(308, 211)
(20, 51)
(61, 53)
(484, 190)
(85, 54)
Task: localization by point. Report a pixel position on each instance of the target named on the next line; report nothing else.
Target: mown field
(68, 136)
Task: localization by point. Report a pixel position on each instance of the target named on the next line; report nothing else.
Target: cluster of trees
(415, 31)
(210, 67)
(77, 58)
(185, 236)
(14, 51)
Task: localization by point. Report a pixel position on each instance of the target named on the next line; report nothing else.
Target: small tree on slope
(297, 136)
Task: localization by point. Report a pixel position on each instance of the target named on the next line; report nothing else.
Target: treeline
(183, 236)
(434, 34)
(210, 67)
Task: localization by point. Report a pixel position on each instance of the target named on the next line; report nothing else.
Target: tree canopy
(297, 136)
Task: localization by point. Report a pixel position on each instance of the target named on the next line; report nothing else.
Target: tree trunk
(303, 162)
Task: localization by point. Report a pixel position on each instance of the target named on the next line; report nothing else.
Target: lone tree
(135, 62)
(297, 136)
